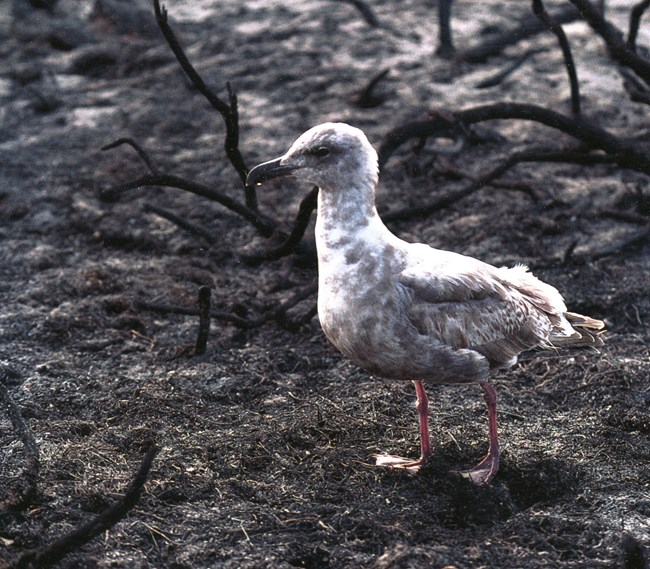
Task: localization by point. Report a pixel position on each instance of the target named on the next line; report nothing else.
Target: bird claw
(399, 463)
(483, 473)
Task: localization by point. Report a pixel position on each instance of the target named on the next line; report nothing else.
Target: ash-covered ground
(266, 440)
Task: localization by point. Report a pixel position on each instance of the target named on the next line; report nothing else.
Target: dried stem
(54, 552)
(365, 10)
(445, 47)
(278, 314)
(503, 74)
(228, 110)
(142, 153)
(307, 206)
(613, 37)
(367, 99)
(182, 223)
(551, 24)
(204, 320)
(533, 155)
(624, 153)
(263, 224)
(635, 20)
(524, 28)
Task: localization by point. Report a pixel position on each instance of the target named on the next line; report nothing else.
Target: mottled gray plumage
(406, 310)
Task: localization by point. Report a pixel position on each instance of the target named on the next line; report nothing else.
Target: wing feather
(468, 304)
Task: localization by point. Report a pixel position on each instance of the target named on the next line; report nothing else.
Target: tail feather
(588, 332)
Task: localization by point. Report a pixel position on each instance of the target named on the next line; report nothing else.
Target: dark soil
(266, 440)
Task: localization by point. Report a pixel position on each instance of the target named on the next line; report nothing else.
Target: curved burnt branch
(142, 153)
(57, 550)
(228, 111)
(263, 224)
(533, 155)
(524, 28)
(366, 98)
(25, 491)
(551, 24)
(503, 74)
(278, 314)
(288, 246)
(625, 153)
(181, 222)
(613, 37)
(635, 20)
(365, 10)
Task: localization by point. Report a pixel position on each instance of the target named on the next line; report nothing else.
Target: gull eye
(320, 151)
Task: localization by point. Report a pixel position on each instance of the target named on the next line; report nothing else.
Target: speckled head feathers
(334, 156)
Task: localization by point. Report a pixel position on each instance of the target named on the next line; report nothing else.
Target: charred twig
(509, 185)
(204, 320)
(633, 555)
(26, 490)
(638, 90)
(545, 17)
(365, 10)
(182, 223)
(524, 28)
(637, 239)
(54, 552)
(635, 21)
(502, 75)
(624, 153)
(264, 225)
(628, 216)
(279, 314)
(142, 153)
(534, 155)
(307, 206)
(613, 37)
(228, 110)
(445, 48)
(367, 99)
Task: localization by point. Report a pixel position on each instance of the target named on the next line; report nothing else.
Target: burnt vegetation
(235, 422)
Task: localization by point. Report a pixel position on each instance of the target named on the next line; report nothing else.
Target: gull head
(334, 156)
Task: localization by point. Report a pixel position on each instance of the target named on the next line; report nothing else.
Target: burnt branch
(278, 314)
(553, 26)
(502, 75)
(613, 37)
(627, 216)
(366, 98)
(204, 320)
(182, 223)
(264, 225)
(625, 153)
(638, 90)
(533, 155)
(142, 153)
(365, 10)
(445, 48)
(634, 241)
(54, 552)
(526, 27)
(228, 111)
(25, 491)
(635, 20)
(288, 246)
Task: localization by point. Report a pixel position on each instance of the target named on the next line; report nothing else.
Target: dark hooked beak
(267, 171)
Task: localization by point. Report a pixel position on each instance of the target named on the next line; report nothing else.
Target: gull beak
(267, 171)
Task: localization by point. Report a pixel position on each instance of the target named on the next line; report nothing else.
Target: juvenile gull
(408, 311)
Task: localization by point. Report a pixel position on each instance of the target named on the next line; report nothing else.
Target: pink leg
(425, 443)
(485, 470)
